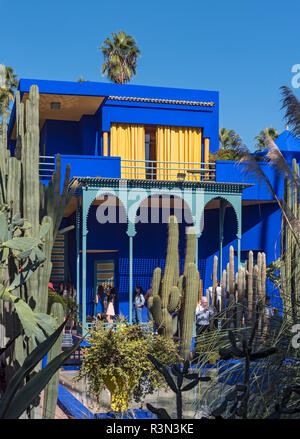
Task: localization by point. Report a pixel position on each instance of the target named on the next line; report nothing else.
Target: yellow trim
(105, 143)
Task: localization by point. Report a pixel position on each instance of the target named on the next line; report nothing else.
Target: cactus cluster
(175, 296)
(22, 195)
(290, 252)
(245, 290)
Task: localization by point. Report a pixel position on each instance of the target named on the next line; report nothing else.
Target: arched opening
(219, 232)
(150, 241)
(107, 242)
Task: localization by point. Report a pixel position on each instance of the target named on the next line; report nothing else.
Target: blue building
(142, 153)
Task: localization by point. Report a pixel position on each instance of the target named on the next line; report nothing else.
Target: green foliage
(120, 354)
(16, 400)
(8, 85)
(20, 258)
(69, 305)
(261, 138)
(51, 390)
(30, 217)
(231, 146)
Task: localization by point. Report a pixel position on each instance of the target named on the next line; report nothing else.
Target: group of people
(203, 313)
(105, 309)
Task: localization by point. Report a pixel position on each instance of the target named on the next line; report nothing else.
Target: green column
(130, 277)
(77, 253)
(221, 235)
(84, 239)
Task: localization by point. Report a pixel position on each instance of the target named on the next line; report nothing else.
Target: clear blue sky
(245, 49)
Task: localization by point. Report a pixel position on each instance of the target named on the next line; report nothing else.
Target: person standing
(110, 311)
(219, 297)
(100, 309)
(138, 303)
(203, 313)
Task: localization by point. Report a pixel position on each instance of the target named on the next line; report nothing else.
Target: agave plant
(18, 398)
(177, 387)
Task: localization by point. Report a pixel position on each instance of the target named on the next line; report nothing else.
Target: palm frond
(291, 105)
(276, 158)
(251, 168)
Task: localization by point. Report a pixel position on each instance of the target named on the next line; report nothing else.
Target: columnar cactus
(245, 290)
(290, 252)
(175, 295)
(22, 193)
(51, 390)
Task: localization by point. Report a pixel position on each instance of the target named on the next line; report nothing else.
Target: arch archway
(221, 222)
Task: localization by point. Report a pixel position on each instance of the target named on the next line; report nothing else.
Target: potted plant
(117, 358)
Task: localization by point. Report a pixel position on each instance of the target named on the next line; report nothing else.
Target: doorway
(105, 275)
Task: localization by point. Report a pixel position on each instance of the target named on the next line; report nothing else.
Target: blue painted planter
(131, 414)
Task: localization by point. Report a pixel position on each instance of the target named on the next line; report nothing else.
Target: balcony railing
(166, 170)
(47, 167)
(131, 169)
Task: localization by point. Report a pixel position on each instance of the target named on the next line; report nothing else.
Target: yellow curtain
(178, 144)
(128, 142)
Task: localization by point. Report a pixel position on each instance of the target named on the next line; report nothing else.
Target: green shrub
(120, 354)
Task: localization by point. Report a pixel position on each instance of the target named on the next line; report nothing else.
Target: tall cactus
(290, 252)
(51, 390)
(22, 192)
(175, 295)
(245, 290)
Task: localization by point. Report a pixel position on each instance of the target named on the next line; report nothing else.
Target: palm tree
(261, 138)
(81, 79)
(7, 88)
(231, 146)
(120, 57)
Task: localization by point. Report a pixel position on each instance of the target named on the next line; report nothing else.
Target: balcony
(166, 170)
(115, 167)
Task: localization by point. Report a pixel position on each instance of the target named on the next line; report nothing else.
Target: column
(77, 253)
(239, 230)
(130, 277)
(84, 239)
(85, 209)
(221, 234)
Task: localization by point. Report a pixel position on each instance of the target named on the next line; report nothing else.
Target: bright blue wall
(61, 137)
(88, 128)
(91, 166)
(163, 115)
(230, 172)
